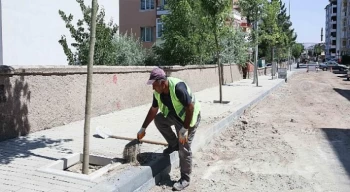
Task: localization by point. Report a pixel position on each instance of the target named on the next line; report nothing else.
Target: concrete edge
(145, 177)
(137, 177)
(57, 167)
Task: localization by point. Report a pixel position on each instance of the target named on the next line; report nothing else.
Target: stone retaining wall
(41, 97)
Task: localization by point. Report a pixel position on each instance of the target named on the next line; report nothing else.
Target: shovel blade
(101, 133)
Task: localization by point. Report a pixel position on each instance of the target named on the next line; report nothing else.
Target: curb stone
(143, 178)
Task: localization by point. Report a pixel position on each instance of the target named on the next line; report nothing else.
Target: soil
(77, 168)
(296, 139)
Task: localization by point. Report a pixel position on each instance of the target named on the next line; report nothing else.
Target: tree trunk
(256, 53)
(272, 55)
(86, 147)
(222, 72)
(289, 58)
(231, 72)
(218, 60)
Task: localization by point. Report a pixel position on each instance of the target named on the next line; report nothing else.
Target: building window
(159, 28)
(147, 4)
(146, 34)
(162, 4)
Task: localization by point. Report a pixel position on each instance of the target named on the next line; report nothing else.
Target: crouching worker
(178, 107)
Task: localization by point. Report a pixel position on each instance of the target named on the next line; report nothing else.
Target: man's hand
(141, 133)
(183, 134)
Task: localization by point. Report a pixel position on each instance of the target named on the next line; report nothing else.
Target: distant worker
(179, 108)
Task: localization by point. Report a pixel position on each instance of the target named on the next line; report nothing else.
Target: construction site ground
(296, 139)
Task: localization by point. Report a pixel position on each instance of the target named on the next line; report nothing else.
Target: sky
(308, 17)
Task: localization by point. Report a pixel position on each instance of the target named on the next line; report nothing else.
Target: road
(296, 139)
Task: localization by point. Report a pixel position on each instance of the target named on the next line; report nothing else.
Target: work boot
(170, 149)
(181, 185)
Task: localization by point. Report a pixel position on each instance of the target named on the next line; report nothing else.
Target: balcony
(162, 11)
(343, 35)
(161, 7)
(333, 46)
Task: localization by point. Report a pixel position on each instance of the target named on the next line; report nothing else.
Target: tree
(288, 36)
(184, 32)
(270, 32)
(253, 10)
(297, 50)
(129, 50)
(86, 148)
(235, 47)
(318, 50)
(217, 11)
(105, 48)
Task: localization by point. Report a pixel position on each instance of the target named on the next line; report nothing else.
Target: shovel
(106, 134)
(132, 149)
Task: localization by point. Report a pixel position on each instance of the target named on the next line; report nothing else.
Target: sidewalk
(22, 157)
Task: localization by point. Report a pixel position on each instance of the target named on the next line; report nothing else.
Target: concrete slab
(58, 167)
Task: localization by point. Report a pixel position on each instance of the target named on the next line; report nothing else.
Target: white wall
(31, 29)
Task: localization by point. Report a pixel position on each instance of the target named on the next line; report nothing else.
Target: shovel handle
(141, 141)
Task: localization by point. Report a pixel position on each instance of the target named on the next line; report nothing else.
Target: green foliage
(217, 11)
(297, 50)
(128, 50)
(254, 10)
(275, 31)
(288, 37)
(191, 29)
(235, 47)
(271, 32)
(186, 36)
(104, 47)
(318, 49)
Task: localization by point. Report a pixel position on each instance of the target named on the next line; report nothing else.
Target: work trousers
(185, 153)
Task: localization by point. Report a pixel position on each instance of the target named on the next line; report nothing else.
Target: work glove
(141, 133)
(183, 134)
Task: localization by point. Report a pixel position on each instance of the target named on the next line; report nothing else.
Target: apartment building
(143, 19)
(337, 33)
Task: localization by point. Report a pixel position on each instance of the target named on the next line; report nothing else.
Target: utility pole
(86, 148)
(1, 47)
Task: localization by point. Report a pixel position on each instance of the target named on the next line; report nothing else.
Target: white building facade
(30, 30)
(337, 33)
